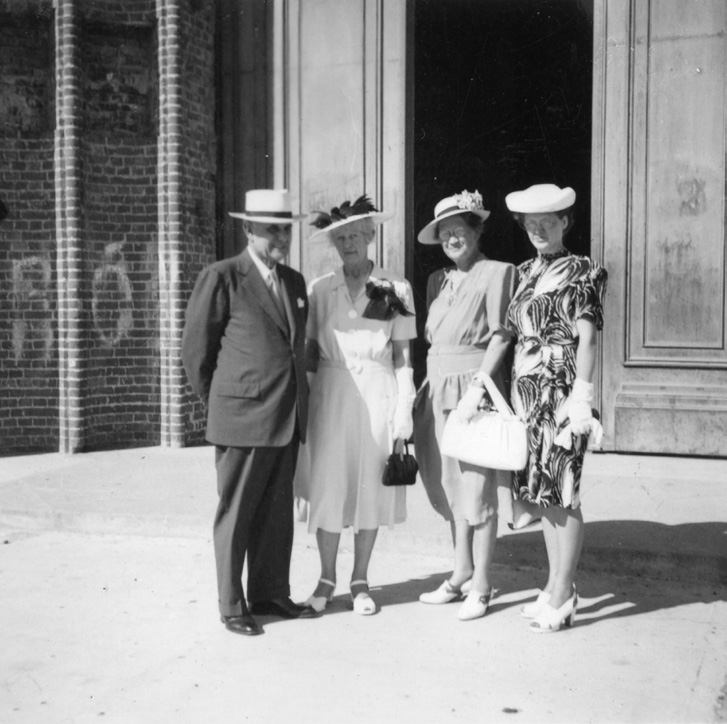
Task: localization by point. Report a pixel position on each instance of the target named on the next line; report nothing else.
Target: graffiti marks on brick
(111, 299)
(32, 329)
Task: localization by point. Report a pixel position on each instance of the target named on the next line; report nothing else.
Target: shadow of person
(627, 568)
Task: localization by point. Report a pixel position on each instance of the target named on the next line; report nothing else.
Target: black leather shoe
(245, 625)
(284, 608)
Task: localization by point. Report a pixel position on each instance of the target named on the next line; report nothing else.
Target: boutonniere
(301, 303)
(387, 300)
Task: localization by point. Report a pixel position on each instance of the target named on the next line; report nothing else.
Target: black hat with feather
(348, 211)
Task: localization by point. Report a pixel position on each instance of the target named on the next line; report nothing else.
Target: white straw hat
(463, 203)
(267, 205)
(541, 199)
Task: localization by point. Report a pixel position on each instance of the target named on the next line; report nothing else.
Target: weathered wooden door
(341, 97)
(659, 223)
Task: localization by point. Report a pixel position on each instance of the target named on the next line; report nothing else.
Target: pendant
(352, 314)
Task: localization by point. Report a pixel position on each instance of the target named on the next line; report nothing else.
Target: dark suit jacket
(240, 357)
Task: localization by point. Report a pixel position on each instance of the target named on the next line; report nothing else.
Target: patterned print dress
(555, 291)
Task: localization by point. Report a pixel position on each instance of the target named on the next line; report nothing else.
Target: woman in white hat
(555, 314)
(359, 327)
(467, 305)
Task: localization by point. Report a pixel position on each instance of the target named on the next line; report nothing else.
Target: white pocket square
(301, 304)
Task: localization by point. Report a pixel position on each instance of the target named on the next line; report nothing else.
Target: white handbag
(491, 439)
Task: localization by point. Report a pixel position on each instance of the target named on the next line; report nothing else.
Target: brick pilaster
(69, 225)
(171, 299)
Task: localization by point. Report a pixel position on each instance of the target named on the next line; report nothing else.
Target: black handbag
(401, 469)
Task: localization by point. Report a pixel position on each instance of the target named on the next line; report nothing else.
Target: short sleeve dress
(352, 402)
(555, 291)
(461, 321)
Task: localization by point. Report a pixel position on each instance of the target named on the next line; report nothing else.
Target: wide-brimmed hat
(267, 205)
(466, 202)
(541, 199)
(348, 211)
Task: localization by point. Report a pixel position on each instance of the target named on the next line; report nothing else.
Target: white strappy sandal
(363, 604)
(319, 603)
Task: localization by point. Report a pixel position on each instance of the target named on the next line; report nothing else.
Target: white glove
(564, 438)
(405, 396)
(467, 406)
(580, 410)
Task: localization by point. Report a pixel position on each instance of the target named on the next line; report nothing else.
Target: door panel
(342, 59)
(662, 219)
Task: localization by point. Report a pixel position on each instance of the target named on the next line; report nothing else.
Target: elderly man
(243, 350)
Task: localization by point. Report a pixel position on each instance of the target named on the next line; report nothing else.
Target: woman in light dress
(361, 398)
(467, 305)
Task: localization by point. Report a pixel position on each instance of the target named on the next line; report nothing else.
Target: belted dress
(555, 291)
(351, 408)
(464, 312)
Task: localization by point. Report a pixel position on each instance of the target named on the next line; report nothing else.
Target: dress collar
(552, 257)
(376, 274)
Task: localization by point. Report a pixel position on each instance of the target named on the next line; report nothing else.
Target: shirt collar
(264, 270)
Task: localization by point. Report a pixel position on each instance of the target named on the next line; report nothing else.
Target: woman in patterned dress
(555, 314)
(360, 402)
(467, 304)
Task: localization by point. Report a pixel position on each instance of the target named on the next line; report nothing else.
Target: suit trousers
(254, 519)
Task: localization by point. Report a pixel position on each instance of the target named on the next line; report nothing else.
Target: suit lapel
(260, 291)
(291, 303)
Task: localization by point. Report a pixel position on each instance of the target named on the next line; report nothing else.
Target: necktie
(275, 291)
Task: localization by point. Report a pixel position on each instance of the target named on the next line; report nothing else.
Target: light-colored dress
(556, 290)
(352, 402)
(462, 319)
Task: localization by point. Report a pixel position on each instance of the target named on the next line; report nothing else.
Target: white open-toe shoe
(319, 603)
(363, 604)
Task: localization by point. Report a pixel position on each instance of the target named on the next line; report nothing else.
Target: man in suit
(243, 350)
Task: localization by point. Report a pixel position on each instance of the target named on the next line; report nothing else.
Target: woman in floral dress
(467, 304)
(361, 398)
(555, 314)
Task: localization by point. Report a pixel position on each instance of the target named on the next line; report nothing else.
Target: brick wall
(28, 309)
(121, 396)
(83, 341)
(198, 105)
(121, 290)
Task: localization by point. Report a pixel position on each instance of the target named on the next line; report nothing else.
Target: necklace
(555, 255)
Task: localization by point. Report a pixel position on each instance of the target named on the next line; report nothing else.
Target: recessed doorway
(502, 94)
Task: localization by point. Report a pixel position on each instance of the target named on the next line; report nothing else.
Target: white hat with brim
(464, 203)
(267, 206)
(541, 199)
(362, 202)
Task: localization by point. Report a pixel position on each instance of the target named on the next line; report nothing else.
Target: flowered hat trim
(467, 201)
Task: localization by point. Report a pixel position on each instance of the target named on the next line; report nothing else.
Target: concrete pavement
(108, 607)
(124, 629)
(659, 517)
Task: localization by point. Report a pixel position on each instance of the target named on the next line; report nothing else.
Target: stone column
(69, 225)
(169, 15)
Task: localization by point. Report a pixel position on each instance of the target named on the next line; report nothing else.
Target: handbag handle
(497, 397)
(405, 449)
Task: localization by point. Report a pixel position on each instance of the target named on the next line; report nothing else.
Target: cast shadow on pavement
(601, 596)
(628, 567)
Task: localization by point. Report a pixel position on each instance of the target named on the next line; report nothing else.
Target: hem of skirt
(545, 506)
(313, 527)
